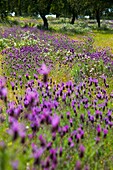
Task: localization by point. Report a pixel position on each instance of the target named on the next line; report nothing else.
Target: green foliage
(78, 28)
(63, 8)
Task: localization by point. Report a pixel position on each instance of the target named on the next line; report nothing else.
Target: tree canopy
(58, 7)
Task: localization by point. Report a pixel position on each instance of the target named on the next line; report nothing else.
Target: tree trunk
(73, 18)
(45, 22)
(57, 15)
(19, 8)
(8, 3)
(98, 17)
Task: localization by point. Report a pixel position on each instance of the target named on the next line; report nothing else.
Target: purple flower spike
(68, 115)
(55, 122)
(82, 150)
(45, 71)
(12, 85)
(86, 167)
(42, 141)
(97, 139)
(2, 82)
(105, 131)
(78, 165)
(98, 130)
(3, 94)
(15, 165)
(60, 151)
(37, 155)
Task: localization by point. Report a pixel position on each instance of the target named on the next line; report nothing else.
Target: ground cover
(57, 96)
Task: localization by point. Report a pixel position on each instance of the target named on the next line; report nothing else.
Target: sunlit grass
(103, 39)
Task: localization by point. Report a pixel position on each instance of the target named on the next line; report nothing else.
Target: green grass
(103, 39)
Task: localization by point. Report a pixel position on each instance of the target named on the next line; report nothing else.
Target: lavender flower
(45, 71)
(55, 122)
(98, 129)
(81, 150)
(78, 165)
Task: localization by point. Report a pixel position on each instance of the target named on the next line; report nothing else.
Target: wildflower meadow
(56, 101)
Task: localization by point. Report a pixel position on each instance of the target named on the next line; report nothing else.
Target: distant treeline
(66, 8)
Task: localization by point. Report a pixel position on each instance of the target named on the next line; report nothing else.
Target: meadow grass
(103, 39)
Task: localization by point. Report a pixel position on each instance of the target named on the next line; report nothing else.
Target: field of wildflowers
(56, 102)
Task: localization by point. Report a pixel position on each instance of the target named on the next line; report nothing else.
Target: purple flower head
(98, 129)
(49, 145)
(97, 113)
(82, 150)
(82, 134)
(37, 153)
(60, 151)
(42, 141)
(86, 167)
(35, 126)
(105, 131)
(17, 129)
(2, 82)
(104, 78)
(82, 117)
(65, 128)
(97, 139)
(35, 76)
(3, 94)
(14, 129)
(95, 81)
(27, 76)
(47, 163)
(78, 165)
(55, 122)
(71, 122)
(91, 118)
(68, 115)
(70, 142)
(78, 137)
(44, 71)
(53, 154)
(15, 165)
(31, 98)
(53, 136)
(110, 124)
(22, 132)
(46, 116)
(2, 145)
(12, 85)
